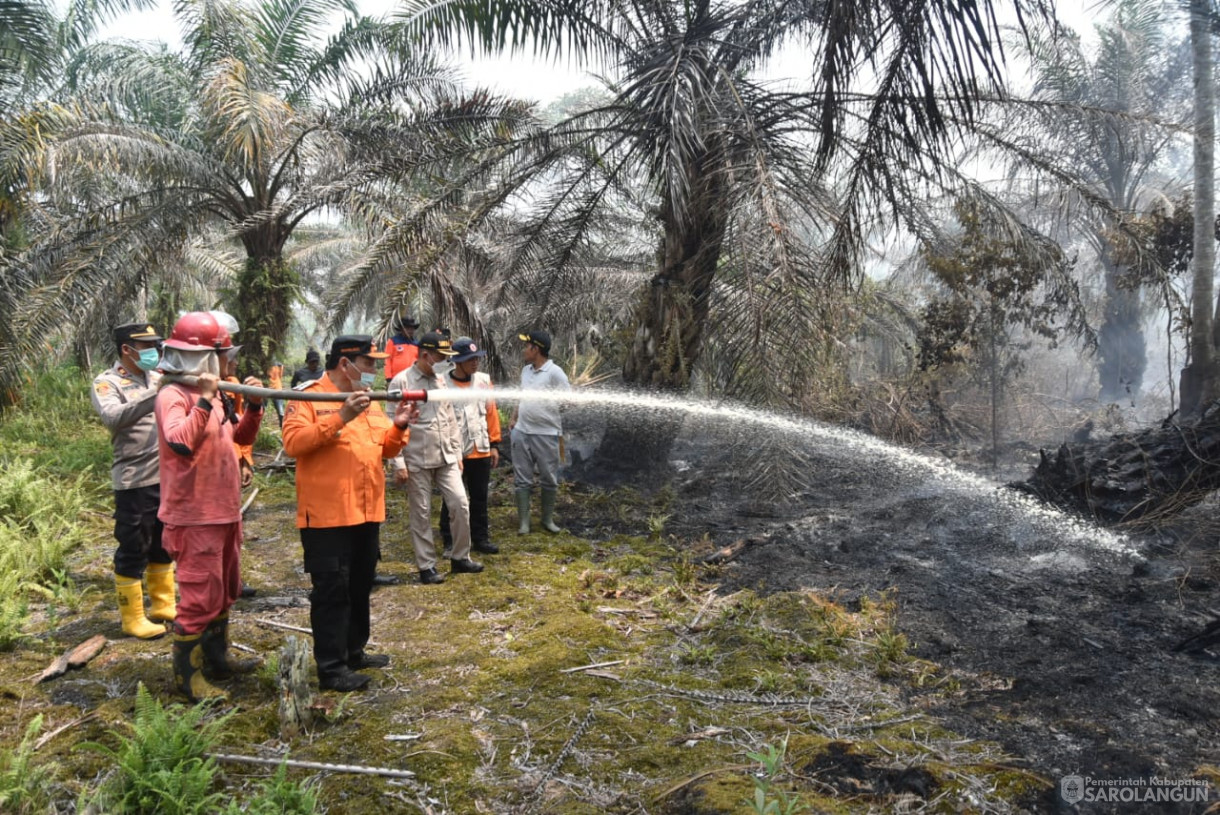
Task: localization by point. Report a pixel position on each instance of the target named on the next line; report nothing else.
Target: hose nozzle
(408, 396)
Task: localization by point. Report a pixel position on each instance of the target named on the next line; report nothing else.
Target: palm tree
(1201, 378)
(35, 44)
(259, 126)
(1107, 118)
(733, 176)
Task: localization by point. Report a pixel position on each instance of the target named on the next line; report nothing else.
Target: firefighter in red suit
(201, 502)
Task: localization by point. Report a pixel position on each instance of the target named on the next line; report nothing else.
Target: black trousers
(476, 476)
(138, 531)
(341, 562)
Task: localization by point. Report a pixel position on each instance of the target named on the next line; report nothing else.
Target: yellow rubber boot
(160, 580)
(188, 669)
(131, 609)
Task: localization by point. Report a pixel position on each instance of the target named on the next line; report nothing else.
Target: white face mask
(363, 379)
(442, 368)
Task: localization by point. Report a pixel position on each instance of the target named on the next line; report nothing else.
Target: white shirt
(541, 417)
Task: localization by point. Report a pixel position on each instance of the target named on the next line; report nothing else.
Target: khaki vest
(472, 416)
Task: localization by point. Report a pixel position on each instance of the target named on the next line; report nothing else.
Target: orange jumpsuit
(402, 355)
(201, 500)
(340, 507)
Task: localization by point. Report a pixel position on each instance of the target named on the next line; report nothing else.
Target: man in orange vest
(402, 349)
(235, 408)
(234, 404)
(339, 447)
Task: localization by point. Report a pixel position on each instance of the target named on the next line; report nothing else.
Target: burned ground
(1059, 637)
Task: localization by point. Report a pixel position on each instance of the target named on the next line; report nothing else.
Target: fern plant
(23, 784)
(278, 796)
(162, 765)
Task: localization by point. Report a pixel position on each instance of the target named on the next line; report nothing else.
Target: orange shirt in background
(402, 355)
(245, 452)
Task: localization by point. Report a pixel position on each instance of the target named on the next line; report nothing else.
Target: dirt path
(1060, 639)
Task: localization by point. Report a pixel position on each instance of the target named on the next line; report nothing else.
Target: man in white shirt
(536, 428)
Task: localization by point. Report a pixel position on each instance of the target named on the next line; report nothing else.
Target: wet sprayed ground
(1059, 635)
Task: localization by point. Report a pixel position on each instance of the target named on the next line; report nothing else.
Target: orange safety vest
(340, 477)
(401, 356)
(275, 377)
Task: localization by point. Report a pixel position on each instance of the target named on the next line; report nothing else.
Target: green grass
(24, 784)
(56, 428)
(40, 525)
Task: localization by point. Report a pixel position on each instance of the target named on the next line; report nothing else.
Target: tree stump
(1151, 474)
(296, 697)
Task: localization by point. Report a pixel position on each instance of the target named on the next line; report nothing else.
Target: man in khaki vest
(480, 422)
(433, 456)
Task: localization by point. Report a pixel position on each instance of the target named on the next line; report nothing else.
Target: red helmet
(196, 331)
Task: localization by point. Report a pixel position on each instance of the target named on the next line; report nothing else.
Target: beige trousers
(448, 478)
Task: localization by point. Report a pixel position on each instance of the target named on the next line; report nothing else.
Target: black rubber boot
(218, 663)
(344, 681)
(523, 511)
(188, 669)
(548, 510)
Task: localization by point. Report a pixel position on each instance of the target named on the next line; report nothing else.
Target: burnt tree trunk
(671, 321)
(1147, 475)
(1199, 378)
(1122, 354)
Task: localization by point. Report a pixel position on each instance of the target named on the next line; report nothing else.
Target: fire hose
(293, 395)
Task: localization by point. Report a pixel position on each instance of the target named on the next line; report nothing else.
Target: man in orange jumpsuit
(201, 502)
(339, 447)
(403, 348)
